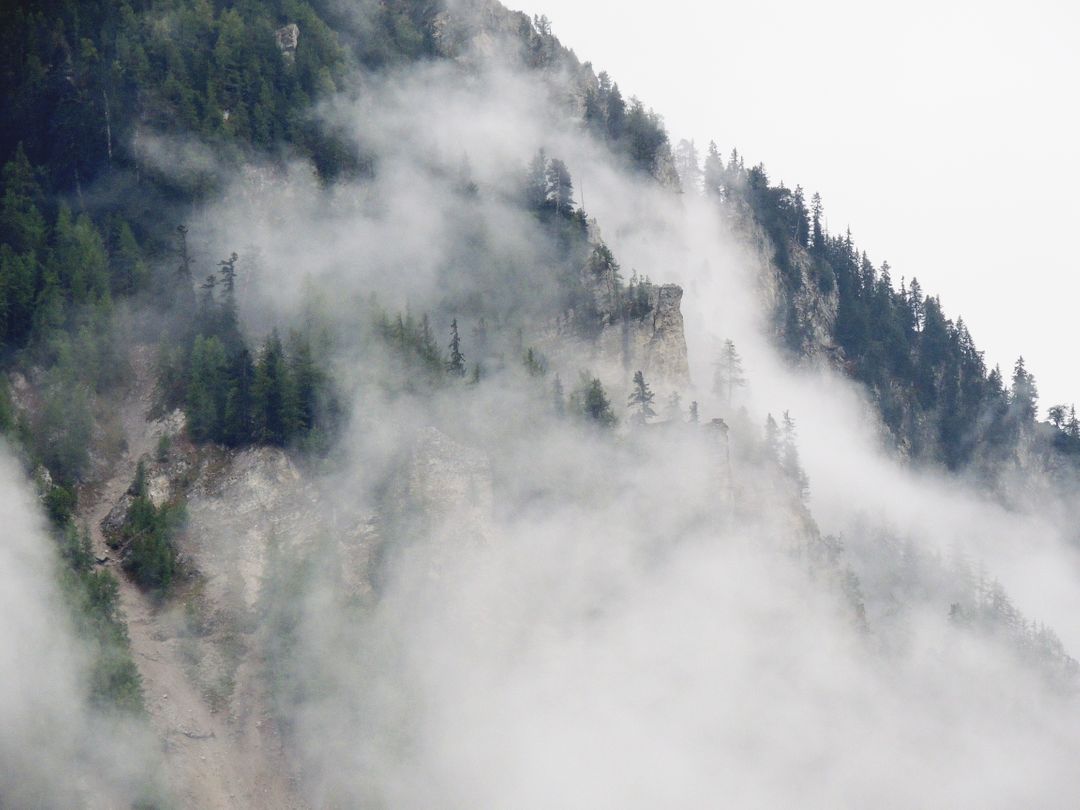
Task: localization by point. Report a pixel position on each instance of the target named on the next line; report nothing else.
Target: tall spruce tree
(455, 363)
(727, 372)
(641, 400)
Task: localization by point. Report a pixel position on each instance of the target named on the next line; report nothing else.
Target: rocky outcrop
(244, 506)
(620, 332)
(654, 342)
(478, 30)
(804, 312)
(288, 37)
(449, 486)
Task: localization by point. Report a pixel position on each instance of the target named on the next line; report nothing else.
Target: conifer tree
(535, 364)
(674, 406)
(641, 398)
(591, 401)
(789, 456)
(688, 167)
(1024, 395)
(615, 113)
(22, 226)
(130, 272)
(207, 390)
(306, 382)
(728, 372)
(772, 438)
(455, 363)
(714, 172)
(536, 182)
(239, 402)
(560, 188)
(816, 211)
(274, 411)
(597, 405)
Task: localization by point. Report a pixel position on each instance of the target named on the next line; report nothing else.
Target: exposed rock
(239, 505)
(654, 343)
(114, 521)
(288, 37)
(451, 477)
(450, 485)
(815, 304)
(476, 31)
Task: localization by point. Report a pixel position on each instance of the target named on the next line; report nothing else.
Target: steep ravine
(224, 758)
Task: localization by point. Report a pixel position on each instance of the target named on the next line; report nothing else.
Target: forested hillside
(937, 397)
(87, 223)
(300, 381)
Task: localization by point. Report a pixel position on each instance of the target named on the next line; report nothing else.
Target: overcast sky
(945, 134)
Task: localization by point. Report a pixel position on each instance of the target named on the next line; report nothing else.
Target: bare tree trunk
(108, 126)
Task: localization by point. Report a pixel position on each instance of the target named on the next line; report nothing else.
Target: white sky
(945, 134)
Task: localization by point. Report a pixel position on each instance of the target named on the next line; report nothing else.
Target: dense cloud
(56, 747)
(564, 617)
(619, 629)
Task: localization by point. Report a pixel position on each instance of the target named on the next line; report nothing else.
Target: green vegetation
(92, 597)
(590, 402)
(931, 384)
(632, 131)
(641, 400)
(148, 533)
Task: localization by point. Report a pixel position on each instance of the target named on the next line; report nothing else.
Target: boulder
(288, 37)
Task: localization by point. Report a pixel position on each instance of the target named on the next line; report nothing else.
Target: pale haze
(944, 134)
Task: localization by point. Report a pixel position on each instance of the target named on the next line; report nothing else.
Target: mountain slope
(418, 483)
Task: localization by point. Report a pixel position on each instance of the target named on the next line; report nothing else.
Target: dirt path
(231, 758)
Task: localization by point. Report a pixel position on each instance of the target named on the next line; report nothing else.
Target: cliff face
(803, 304)
(615, 341)
(256, 523)
(654, 343)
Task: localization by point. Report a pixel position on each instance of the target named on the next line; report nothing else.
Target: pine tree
(559, 188)
(455, 364)
(558, 398)
(694, 413)
(915, 304)
(425, 345)
(816, 212)
(228, 274)
(306, 382)
(728, 372)
(229, 319)
(714, 172)
(641, 398)
(536, 182)
(239, 401)
(207, 391)
(772, 438)
(615, 113)
(1024, 395)
(130, 272)
(274, 411)
(687, 166)
(789, 456)
(22, 226)
(535, 364)
(591, 401)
